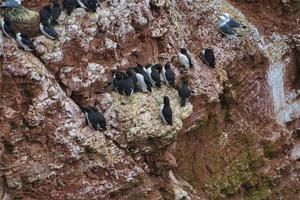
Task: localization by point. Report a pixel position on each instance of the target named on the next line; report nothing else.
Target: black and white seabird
(143, 79)
(55, 12)
(231, 22)
(69, 5)
(185, 59)
(166, 111)
(24, 41)
(168, 75)
(47, 30)
(45, 14)
(8, 27)
(10, 4)
(117, 81)
(127, 86)
(225, 28)
(154, 75)
(158, 67)
(184, 92)
(132, 76)
(209, 57)
(95, 119)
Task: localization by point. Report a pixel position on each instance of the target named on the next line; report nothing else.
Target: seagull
(11, 4)
(225, 28)
(231, 22)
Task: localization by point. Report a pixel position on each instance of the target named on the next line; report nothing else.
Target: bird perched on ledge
(168, 75)
(10, 4)
(184, 92)
(166, 111)
(225, 28)
(231, 22)
(209, 57)
(24, 41)
(8, 27)
(185, 59)
(95, 119)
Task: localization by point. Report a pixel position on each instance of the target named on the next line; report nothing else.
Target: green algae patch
(21, 15)
(238, 173)
(258, 193)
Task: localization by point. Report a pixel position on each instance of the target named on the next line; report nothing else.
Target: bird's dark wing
(56, 11)
(102, 121)
(184, 91)
(155, 74)
(226, 29)
(10, 29)
(51, 31)
(170, 75)
(233, 23)
(190, 60)
(27, 41)
(209, 57)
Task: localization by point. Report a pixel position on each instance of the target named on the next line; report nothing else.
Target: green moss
(21, 15)
(8, 147)
(269, 150)
(24, 126)
(204, 120)
(260, 193)
(237, 173)
(28, 92)
(13, 126)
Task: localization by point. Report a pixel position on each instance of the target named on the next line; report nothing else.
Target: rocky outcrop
(229, 140)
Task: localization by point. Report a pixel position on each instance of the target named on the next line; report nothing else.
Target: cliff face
(235, 139)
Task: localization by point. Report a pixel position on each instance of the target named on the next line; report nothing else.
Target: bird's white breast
(184, 60)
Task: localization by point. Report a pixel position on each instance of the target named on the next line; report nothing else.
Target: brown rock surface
(229, 142)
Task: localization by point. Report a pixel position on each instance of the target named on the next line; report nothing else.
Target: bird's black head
(87, 109)
(147, 66)
(208, 50)
(185, 81)
(129, 71)
(139, 66)
(47, 8)
(56, 3)
(119, 75)
(166, 100)
(183, 50)
(125, 76)
(158, 67)
(7, 20)
(167, 65)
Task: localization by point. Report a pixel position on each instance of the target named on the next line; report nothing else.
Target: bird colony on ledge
(138, 79)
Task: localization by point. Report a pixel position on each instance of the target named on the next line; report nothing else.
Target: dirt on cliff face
(225, 144)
